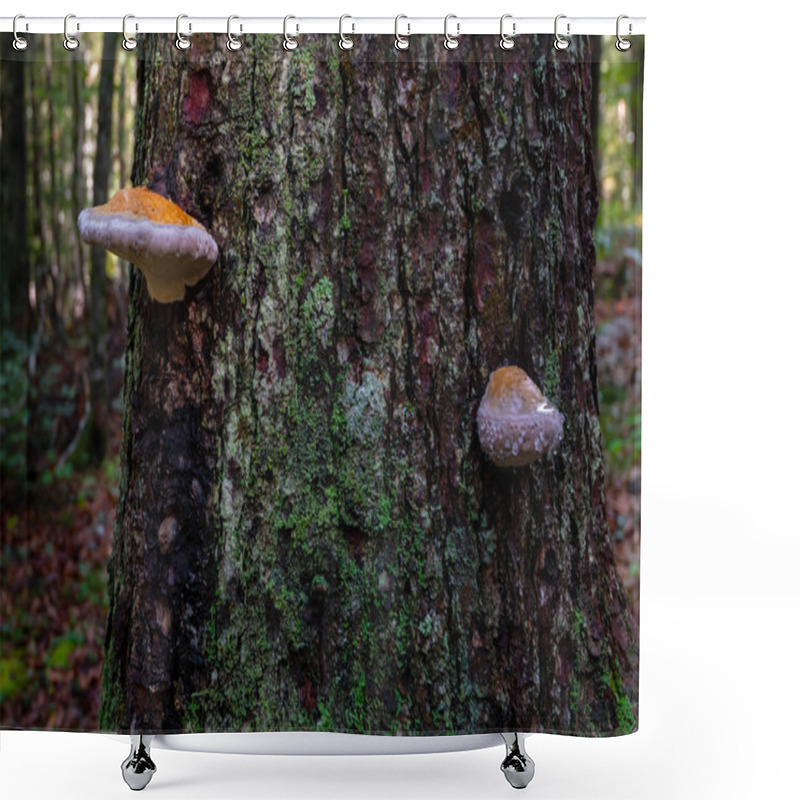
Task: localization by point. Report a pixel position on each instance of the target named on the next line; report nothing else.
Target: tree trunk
(308, 534)
(98, 360)
(123, 132)
(14, 264)
(77, 72)
(39, 245)
(56, 272)
(596, 54)
(637, 122)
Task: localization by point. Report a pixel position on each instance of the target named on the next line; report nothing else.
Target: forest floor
(57, 534)
(56, 543)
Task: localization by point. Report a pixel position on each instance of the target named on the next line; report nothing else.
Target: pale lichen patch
(167, 533)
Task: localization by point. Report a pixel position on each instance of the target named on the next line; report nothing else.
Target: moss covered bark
(309, 536)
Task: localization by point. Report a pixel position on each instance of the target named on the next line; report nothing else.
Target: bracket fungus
(516, 422)
(172, 249)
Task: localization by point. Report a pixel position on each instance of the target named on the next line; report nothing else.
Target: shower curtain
(332, 423)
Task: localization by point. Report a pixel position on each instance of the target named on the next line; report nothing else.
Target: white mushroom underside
(516, 440)
(171, 257)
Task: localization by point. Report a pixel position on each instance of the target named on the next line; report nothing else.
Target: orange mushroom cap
(516, 422)
(172, 249)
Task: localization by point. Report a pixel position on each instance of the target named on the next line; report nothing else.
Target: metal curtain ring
(182, 42)
(401, 42)
(234, 42)
(560, 42)
(623, 44)
(345, 42)
(128, 42)
(70, 42)
(20, 42)
(450, 41)
(289, 42)
(506, 41)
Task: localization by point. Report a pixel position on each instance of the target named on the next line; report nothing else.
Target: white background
(720, 695)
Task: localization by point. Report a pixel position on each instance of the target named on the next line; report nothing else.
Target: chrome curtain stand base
(138, 768)
(517, 766)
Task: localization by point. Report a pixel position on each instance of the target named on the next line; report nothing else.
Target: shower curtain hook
(128, 42)
(182, 42)
(234, 42)
(289, 42)
(561, 43)
(20, 42)
(450, 41)
(401, 42)
(345, 42)
(623, 44)
(70, 42)
(506, 41)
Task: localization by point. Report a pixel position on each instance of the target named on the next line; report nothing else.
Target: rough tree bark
(308, 534)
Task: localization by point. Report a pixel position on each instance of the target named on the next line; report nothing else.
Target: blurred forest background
(66, 142)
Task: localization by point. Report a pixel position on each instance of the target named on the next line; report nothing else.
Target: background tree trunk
(57, 277)
(123, 139)
(40, 239)
(98, 325)
(14, 263)
(77, 75)
(308, 535)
